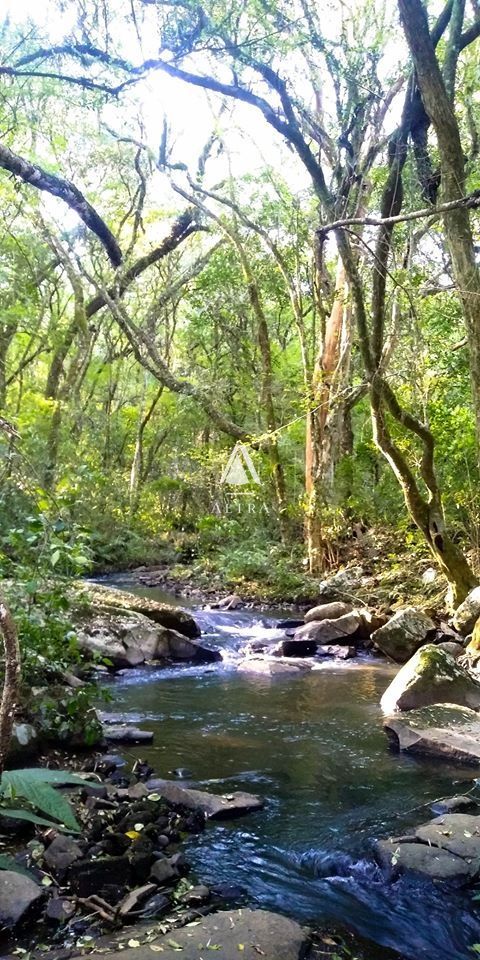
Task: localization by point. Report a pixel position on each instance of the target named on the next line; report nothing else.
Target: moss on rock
(431, 676)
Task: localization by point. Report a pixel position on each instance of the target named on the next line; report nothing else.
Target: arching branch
(36, 177)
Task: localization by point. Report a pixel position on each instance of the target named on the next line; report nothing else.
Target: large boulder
(230, 934)
(18, 894)
(444, 731)
(95, 596)
(403, 634)
(467, 613)
(328, 611)
(127, 640)
(473, 648)
(431, 676)
(341, 585)
(342, 629)
(398, 856)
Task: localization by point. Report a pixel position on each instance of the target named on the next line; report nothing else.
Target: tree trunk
(324, 422)
(137, 472)
(11, 680)
(438, 102)
(427, 514)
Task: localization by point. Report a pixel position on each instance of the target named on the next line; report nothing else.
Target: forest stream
(314, 747)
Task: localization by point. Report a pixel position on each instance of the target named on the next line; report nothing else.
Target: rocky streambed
(246, 710)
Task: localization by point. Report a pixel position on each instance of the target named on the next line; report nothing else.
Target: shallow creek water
(314, 747)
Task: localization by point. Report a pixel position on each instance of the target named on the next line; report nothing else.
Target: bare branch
(470, 202)
(59, 187)
(183, 228)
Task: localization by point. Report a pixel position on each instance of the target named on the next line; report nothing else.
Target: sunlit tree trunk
(324, 421)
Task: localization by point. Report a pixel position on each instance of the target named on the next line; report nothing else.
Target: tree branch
(35, 176)
(471, 202)
(183, 228)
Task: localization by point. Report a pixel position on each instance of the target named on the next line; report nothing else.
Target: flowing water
(314, 747)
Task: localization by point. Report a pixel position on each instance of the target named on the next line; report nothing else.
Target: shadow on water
(314, 747)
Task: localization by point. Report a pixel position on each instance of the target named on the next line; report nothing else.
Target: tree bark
(11, 682)
(437, 96)
(323, 429)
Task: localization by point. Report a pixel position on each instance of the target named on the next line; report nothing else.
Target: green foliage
(68, 716)
(34, 788)
(47, 639)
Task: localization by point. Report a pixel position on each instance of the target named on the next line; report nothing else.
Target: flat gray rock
(339, 630)
(17, 895)
(446, 848)
(460, 804)
(446, 731)
(212, 805)
(397, 857)
(270, 666)
(228, 935)
(458, 833)
(122, 733)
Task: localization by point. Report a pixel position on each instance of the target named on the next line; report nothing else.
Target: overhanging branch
(36, 177)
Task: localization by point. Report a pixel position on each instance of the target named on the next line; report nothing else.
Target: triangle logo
(240, 469)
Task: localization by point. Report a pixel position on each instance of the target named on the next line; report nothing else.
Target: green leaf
(55, 557)
(22, 814)
(44, 776)
(9, 863)
(41, 795)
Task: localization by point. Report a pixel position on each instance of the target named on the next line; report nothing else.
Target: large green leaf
(9, 863)
(41, 795)
(21, 814)
(42, 775)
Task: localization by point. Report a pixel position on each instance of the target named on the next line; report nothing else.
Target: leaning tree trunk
(438, 97)
(11, 681)
(426, 512)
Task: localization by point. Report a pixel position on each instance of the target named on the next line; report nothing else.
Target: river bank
(125, 883)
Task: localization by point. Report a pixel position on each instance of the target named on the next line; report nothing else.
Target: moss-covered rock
(444, 731)
(95, 597)
(403, 634)
(431, 676)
